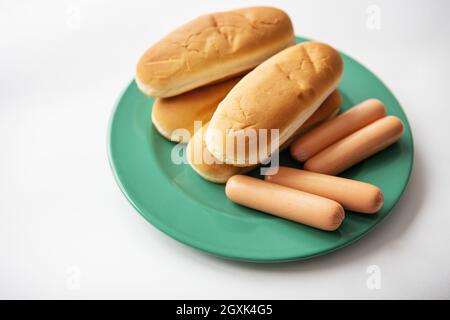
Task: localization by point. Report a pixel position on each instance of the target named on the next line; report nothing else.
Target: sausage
(351, 194)
(331, 131)
(285, 202)
(357, 146)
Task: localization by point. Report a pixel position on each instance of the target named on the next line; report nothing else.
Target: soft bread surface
(213, 47)
(180, 112)
(221, 172)
(281, 93)
(204, 163)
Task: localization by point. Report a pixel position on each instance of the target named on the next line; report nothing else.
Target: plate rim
(225, 254)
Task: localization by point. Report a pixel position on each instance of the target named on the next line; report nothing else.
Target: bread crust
(213, 47)
(221, 172)
(281, 93)
(180, 112)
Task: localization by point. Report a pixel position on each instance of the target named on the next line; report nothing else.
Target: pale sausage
(351, 194)
(357, 146)
(285, 202)
(331, 131)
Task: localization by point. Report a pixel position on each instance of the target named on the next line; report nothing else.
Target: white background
(66, 231)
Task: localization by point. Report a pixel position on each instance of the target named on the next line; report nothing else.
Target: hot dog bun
(281, 93)
(221, 172)
(205, 164)
(213, 47)
(180, 112)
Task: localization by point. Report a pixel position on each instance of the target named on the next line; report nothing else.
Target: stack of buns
(206, 62)
(224, 76)
(216, 171)
(169, 115)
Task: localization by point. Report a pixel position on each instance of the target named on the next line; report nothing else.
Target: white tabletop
(66, 230)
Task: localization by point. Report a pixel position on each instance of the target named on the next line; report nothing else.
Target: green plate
(184, 206)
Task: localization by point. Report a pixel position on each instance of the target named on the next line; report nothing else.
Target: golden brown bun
(281, 93)
(205, 165)
(180, 112)
(213, 47)
(220, 173)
